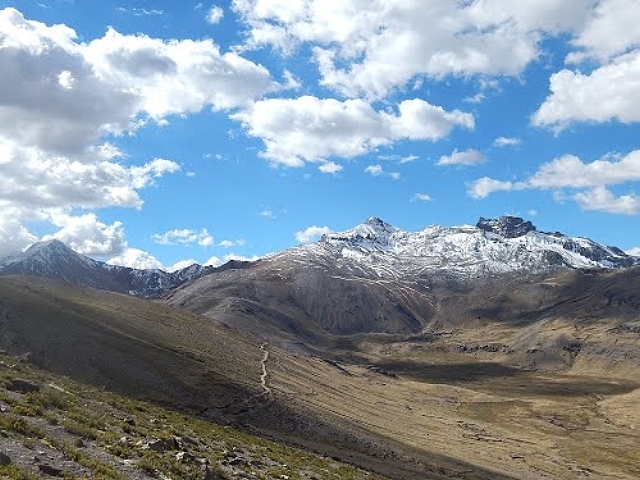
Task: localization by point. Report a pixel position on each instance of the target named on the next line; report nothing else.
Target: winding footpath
(265, 373)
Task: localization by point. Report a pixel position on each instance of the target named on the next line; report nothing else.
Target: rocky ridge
(53, 259)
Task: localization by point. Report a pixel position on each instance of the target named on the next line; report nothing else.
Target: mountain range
(53, 259)
(494, 351)
(374, 250)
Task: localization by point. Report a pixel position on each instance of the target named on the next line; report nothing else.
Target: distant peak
(53, 244)
(506, 226)
(376, 222)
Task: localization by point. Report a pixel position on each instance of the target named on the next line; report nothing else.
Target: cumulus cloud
(369, 48)
(14, 237)
(214, 15)
(330, 168)
(50, 96)
(485, 186)
(180, 265)
(609, 39)
(310, 129)
(64, 182)
(87, 235)
(611, 29)
(62, 100)
(374, 170)
(185, 236)
(603, 200)
(217, 261)
(177, 77)
(466, 157)
(611, 92)
(589, 181)
(311, 234)
(136, 258)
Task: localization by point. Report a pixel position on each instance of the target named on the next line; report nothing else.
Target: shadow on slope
(147, 350)
(136, 347)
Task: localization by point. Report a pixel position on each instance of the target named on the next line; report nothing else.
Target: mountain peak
(506, 226)
(376, 222)
(53, 245)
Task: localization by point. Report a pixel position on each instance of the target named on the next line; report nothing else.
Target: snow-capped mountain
(53, 259)
(378, 278)
(372, 250)
(492, 246)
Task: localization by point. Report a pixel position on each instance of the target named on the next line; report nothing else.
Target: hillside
(393, 352)
(53, 427)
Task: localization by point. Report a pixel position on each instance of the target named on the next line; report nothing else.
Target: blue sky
(155, 133)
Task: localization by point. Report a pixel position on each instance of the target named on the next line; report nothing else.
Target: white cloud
(466, 157)
(421, 197)
(330, 168)
(87, 235)
(185, 236)
(370, 48)
(62, 99)
(180, 265)
(571, 171)
(610, 30)
(232, 243)
(611, 92)
(241, 258)
(485, 186)
(66, 182)
(214, 15)
(634, 251)
(589, 180)
(52, 100)
(177, 77)
(409, 159)
(311, 234)
(374, 170)
(603, 200)
(506, 142)
(216, 261)
(378, 170)
(268, 214)
(135, 258)
(213, 262)
(14, 237)
(141, 12)
(310, 129)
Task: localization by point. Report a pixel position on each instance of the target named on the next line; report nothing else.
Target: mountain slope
(139, 347)
(146, 350)
(377, 278)
(53, 259)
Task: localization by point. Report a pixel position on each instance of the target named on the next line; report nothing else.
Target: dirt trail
(265, 373)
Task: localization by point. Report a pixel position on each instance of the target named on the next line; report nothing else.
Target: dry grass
(533, 409)
(464, 413)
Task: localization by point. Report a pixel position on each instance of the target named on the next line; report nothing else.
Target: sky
(153, 134)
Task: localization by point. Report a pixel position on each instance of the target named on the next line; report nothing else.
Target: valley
(371, 348)
(510, 421)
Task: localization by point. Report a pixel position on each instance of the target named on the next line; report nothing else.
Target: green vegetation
(100, 431)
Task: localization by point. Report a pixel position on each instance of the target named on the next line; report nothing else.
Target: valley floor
(465, 415)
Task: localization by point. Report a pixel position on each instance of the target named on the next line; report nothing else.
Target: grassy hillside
(481, 397)
(52, 426)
